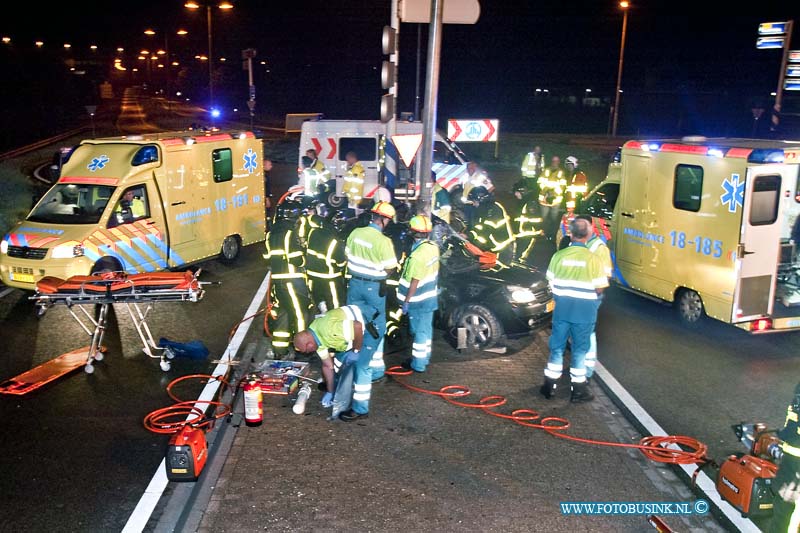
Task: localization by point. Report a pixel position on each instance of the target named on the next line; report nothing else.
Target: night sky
(690, 65)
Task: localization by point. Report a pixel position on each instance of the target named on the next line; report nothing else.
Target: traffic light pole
(431, 97)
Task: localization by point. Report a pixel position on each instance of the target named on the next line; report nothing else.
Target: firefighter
(527, 225)
(289, 293)
(578, 184)
(598, 247)
(552, 184)
(370, 260)
(339, 330)
(325, 262)
(441, 200)
(354, 180)
(577, 280)
(786, 485)
(311, 174)
(476, 177)
(491, 228)
(418, 291)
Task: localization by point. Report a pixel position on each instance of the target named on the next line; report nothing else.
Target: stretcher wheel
(88, 368)
(168, 353)
(98, 356)
(165, 366)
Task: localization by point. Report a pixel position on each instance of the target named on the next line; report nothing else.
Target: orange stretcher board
(43, 374)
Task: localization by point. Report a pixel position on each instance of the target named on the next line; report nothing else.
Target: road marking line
(704, 483)
(5, 291)
(152, 494)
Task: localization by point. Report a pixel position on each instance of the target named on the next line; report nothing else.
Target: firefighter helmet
(479, 194)
(290, 210)
(571, 160)
(420, 224)
(384, 209)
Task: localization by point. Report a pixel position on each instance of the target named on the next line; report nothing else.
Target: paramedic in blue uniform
(577, 279)
(370, 260)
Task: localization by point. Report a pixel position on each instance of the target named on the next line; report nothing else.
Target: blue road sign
(792, 84)
(766, 43)
(772, 28)
(793, 71)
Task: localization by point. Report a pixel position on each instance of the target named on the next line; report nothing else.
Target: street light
(165, 52)
(192, 4)
(624, 4)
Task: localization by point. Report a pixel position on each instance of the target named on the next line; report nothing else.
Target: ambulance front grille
(22, 270)
(25, 252)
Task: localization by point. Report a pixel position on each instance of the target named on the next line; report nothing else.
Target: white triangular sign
(407, 146)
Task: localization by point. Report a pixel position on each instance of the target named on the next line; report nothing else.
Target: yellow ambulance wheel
(231, 247)
(690, 307)
(106, 264)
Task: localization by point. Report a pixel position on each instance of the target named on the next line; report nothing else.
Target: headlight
(521, 295)
(65, 251)
(3, 246)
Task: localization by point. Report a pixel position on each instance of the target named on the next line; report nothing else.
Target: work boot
(548, 389)
(581, 393)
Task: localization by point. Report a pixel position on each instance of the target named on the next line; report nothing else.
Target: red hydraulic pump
(187, 453)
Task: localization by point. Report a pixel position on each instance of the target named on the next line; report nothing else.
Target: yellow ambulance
(140, 204)
(710, 225)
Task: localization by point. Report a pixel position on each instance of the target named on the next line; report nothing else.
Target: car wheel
(690, 307)
(230, 248)
(336, 202)
(484, 330)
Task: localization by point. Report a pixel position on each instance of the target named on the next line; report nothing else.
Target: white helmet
(571, 160)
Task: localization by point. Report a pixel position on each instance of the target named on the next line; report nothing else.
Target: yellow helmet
(384, 209)
(420, 224)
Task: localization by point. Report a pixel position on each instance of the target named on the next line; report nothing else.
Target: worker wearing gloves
(578, 184)
(339, 330)
(370, 261)
(577, 280)
(552, 185)
(325, 262)
(598, 247)
(289, 293)
(354, 180)
(418, 291)
(491, 228)
(786, 485)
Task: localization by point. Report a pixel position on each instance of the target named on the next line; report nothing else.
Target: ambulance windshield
(69, 203)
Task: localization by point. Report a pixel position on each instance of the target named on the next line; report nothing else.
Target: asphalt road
(74, 455)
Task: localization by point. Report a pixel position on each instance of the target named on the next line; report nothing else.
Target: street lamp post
(191, 4)
(624, 4)
(167, 61)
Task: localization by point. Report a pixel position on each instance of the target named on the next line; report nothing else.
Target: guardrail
(41, 144)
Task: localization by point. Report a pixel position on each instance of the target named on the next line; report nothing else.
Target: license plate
(550, 305)
(22, 278)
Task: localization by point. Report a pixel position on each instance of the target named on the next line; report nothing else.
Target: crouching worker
(341, 330)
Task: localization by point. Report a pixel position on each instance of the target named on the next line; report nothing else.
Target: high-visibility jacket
(577, 189)
(319, 166)
(441, 203)
(136, 209)
(492, 228)
(325, 252)
(598, 247)
(526, 222)
(370, 253)
(284, 251)
(423, 265)
(312, 179)
(354, 183)
(531, 165)
(335, 330)
(575, 274)
(552, 184)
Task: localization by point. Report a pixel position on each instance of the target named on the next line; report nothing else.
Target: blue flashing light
(651, 147)
(716, 152)
(215, 113)
(766, 155)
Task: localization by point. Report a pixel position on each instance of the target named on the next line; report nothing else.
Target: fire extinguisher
(253, 406)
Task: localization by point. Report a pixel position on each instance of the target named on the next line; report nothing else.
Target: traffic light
(388, 73)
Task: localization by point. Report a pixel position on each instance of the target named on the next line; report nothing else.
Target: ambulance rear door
(759, 242)
(634, 211)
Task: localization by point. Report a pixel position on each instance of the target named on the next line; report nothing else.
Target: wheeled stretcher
(138, 292)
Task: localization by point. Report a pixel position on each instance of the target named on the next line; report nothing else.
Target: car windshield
(70, 203)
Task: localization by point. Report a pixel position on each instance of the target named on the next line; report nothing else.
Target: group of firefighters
(329, 292)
